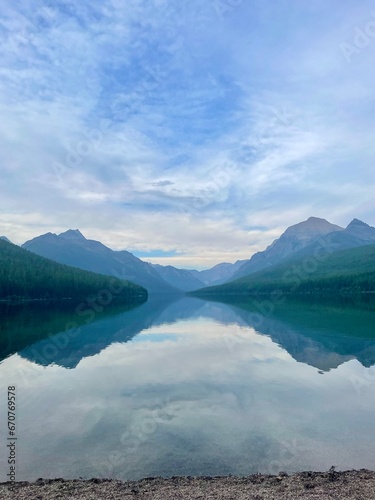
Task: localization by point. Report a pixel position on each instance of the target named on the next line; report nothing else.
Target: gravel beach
(310, 485)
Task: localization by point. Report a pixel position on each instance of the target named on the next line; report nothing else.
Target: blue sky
(187, 132)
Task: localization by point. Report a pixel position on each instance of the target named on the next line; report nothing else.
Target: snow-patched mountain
(73, 249)
(294, 239)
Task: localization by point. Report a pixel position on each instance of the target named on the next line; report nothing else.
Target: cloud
(162, 183)
(175, 129)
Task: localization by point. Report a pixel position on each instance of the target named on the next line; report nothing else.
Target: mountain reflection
(321, 334)
(27, 324)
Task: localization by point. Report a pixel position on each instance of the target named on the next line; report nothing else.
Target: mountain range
(218, 274)
(299, 241)
(73, 249)
(302, 239)
(191, 279)
(294, 239)
(305, 239)
(345, 271)
(182, 279)
(25, 275)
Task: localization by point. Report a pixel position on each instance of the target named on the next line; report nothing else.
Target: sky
(191, 132)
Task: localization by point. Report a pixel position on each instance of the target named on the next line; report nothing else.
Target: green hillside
(24, 275)
(347, 271)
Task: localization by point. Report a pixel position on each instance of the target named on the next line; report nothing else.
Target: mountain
(73, 249)
(351, 270)
(73, 235)
(294, 239)
(4, 238)
(303, 239)
(217, 274)
(24, 275)
(361, 231)
(179, 278)
(355, 235)
(191, 279)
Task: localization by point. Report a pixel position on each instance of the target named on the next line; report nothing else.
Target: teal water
(189, 387)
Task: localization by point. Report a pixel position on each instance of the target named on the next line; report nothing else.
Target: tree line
(24, 275)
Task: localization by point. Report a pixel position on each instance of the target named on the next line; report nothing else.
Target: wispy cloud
(160, 126)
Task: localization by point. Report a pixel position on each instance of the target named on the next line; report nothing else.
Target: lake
(190, 387)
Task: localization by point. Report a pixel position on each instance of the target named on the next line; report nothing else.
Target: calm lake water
(189, 387)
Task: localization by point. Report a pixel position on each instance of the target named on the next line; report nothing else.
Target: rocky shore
(307, 485)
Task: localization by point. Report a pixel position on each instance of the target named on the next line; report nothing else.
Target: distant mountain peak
(71, 248)
(312, 218)
(72, 234)
(362, 231)
(313, 224)
(357, 222)
(4, 238)
(294, 239)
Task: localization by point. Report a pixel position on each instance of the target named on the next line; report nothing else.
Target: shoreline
(352, 484)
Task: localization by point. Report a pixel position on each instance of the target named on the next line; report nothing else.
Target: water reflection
(190, 387)
(22, 324)
(320, 334)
